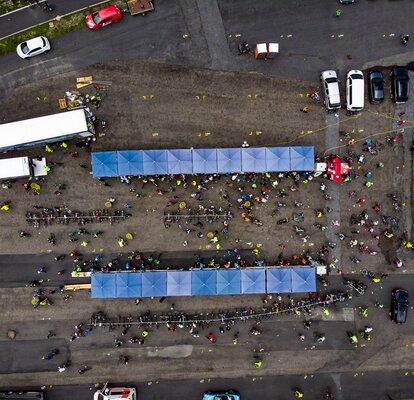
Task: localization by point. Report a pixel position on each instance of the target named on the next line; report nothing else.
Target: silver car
(33, 47)
(330, 88)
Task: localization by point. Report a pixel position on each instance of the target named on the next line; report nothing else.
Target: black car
(399, 306)
(400, 84)
(376, 87)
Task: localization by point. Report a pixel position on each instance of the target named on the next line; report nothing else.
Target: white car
(330, 88)
(33, 47)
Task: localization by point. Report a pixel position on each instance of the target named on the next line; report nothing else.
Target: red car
(103, 17)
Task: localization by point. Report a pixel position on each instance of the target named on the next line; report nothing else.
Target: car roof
(108, 12)
(35, 42)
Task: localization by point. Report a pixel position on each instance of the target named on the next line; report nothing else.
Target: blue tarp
(202, 161)
(302, 158)
(205, 161)
(278, 280)
(253, 281)
(203, 283)
(104, 164)
(155, 162)
(228, 281)
(253, 159)
(180, 161)
(277, 159)
(229, 160)
(103, 286)
(154, 284)
(303, 280)
(130, 162)
(129, 285)
(179, 283)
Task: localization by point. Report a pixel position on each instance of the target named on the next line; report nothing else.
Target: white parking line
(18, 9)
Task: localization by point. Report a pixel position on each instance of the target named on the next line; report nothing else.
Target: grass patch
(52, 29)
(10, 5)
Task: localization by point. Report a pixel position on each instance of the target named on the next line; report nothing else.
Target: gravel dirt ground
(151, 105)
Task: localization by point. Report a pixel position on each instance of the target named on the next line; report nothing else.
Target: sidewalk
(28, 16)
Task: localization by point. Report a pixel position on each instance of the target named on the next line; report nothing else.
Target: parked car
(355, 89)
(103, 17)
(376, 87)
(330, 88)
(399, 306)
(33, 47)
(400, 84)
(224, 395)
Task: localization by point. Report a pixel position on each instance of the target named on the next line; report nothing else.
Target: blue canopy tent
(303, 280)
(103, 286)
(130, 162)
(204, 161)
(104, 164)
(253, 281)
(203, 283)
(155, 162)
(179, 283)
(154, 284)
(302, 158)
(253, 159)
(229, 160)
(129, 284)
(180, 161)
(277, 159)
(228, 281)
(278, 280)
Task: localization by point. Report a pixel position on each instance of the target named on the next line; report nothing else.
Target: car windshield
(96, 18)
(25, 49)
(331, 80)
(356, 76)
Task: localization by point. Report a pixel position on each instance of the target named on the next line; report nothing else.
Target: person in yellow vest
(5, 207)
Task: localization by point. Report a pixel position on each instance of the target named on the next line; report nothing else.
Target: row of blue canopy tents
(202, 161)
(203, 282)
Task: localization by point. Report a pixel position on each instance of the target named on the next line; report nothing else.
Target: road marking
(18, 9)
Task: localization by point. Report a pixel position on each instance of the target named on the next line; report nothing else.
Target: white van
(354, 90)
(22, 167)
